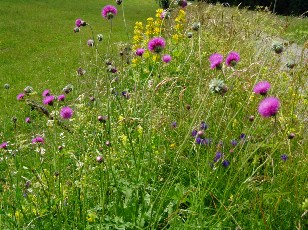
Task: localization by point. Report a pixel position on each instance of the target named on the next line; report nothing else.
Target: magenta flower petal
(216, 60)
(66, 112)
(232, 59)
(269, 107)
(48, 100)
(166, 58)
(38, 139)
(3, 145)
(20, 96)
(157, 44)
(262, 87)
(139, 52)
(109, 12)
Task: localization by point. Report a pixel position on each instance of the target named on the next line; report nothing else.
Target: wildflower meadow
(196, 120)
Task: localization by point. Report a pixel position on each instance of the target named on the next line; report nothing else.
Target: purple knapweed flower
(156, 44)
(284, 157)
(234, 143)
(232, 59)
(109, 12)
(20, 96)
(242, 136)
(194, 133)
(174, 124)
(166, 58)
(90, 42)
(269, 107)
(46, 93)
(38, 139)
(48, 100)
(61, 97)
(203, 125)
(28, 120)
(291, 135)
(80, 22)
(139, 52)
(202, 141)
(216, 60)
(262, 87)
(3, 145)
(66, 113)
(99, 159)
(225, 163)
(218, 155)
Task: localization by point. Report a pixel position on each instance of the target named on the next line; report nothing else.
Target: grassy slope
(37, 43)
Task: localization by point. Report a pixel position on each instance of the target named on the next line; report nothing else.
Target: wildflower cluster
(179, 27)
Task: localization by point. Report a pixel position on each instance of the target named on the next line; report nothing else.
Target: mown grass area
(215, 138)
(39, 48)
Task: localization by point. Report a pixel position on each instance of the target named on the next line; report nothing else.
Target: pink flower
(216, 60)
(79, 23)
(262, 87)
(48, 100)
(46, 93)
(156, 44)
(66, 112)
(28, 120)
(166, 58)
(3, 145)
(61, 97)
(182, 3)
(232, 58)
(90, 42)
(38, 139)
(20, 96)
(109, 12)
(139, 52)
(269, 107)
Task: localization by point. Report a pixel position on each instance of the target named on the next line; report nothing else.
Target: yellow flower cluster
(180, 21)
(138, 35)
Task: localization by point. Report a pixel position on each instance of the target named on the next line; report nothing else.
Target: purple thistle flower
(291, 135)
(166, 58)
(269, 107)
(284, 157)
(216, 60)
(109, 12)
(262, 88)
(102, 119)
(225, 163)
(3, 145)
(164, 14)
(46, 93)
(156, 45)
(80, 22)
(20, 96)
(28, 120)
(139, 52)
(125, 94)
(38, 139)
(61, 97)
(66, 113)
(174, 124)
(232, 59)
(90, 42)
(48, 100)
(202, 141)
(218, 155)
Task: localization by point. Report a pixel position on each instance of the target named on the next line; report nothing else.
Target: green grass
(154, 174)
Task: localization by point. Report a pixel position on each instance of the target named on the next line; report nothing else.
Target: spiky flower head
(79, 22)
(20, 96)
(157, 44)
(262, 87)
(46, 93)
(28, 89)
(139, 52)
(66, 113)
(6, 86)
(38, 139)
(3, 145)
(166, 58)
(284, 157)
(218, 86)
(232, 59)
(277, 47)
(269, 107)
(109, 12)
(48, 100)
(90, 42)
(61, 97)
(100, 37)
(216, 60)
